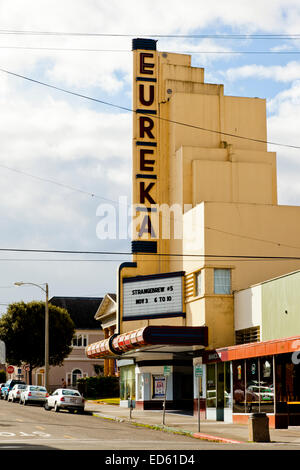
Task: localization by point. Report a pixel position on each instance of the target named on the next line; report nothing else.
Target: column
(106, 363)
(111, 362)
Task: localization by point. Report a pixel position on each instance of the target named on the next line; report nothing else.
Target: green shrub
(99, 387)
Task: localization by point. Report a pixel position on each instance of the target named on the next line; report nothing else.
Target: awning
(250, 350)
(147, 336)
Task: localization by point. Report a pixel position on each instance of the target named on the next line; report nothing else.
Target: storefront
(257, 377)
(144, 355)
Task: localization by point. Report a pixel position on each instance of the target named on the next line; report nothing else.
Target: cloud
(86, 145)
(279, 73)
(283, 127)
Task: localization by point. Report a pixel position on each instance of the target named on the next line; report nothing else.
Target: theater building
(206, 224)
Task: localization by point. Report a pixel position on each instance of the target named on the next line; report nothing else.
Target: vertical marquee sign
(145, 144)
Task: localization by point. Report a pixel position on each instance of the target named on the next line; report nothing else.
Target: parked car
(1, 385)
(8, 386)
(15, 393)
(65, 399)
(33, 394)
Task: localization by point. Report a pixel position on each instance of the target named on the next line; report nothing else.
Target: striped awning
(147, 336)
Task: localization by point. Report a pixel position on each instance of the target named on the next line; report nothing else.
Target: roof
(81, 309)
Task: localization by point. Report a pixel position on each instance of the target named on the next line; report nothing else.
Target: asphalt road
(32, 428)
(23, 426)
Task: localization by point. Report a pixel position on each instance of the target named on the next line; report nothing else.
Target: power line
(74, 49)
(63, 185)
(124, 108)
(127, 109)
(155, 255)
(134, 35)
(116, 260)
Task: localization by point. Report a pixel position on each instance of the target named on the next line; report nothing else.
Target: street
(23, 426)
(32, 428)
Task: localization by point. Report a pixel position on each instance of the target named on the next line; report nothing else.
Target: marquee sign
(145, 137)
(153, 296)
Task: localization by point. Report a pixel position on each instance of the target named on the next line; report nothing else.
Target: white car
(65, 399)
(34, 394)
(15, 393)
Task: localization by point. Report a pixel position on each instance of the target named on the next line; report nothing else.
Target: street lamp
(46, 325)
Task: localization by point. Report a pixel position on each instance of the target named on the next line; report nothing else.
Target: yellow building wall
(212, 162)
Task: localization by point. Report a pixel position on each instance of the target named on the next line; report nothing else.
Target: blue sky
(49, 135)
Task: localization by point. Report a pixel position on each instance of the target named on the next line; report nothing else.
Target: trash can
(258, 425)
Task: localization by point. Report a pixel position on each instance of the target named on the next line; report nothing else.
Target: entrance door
(76, 374)
(220, 391)
(183, 387)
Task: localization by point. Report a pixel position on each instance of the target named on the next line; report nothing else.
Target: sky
(62, 156)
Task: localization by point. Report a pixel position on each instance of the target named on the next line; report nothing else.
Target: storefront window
(252, 386)
(227, 385)
(127, 382)
(211, 386)
(140, 384)
(287, 379)
(238, 371)
(266, 391)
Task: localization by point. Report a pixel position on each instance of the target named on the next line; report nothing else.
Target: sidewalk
(187, 424)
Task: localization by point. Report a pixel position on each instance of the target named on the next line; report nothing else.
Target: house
(82, 311)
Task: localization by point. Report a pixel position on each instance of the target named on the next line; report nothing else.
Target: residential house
(87, 329)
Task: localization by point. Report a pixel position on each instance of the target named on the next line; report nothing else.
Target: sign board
(167, 370)
(153, 296)
(146, 127)
(10, 369)
(199, 370)
(159, 386)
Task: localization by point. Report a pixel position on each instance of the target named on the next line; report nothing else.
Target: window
(198, 283)
(222, 281)
(80, 340)
(211, 386)
(238, 372)
(127, 382)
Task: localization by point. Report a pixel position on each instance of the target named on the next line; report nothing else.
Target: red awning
(146, 336)
(249, 350)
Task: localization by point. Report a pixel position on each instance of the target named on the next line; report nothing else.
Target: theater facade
(206, 223)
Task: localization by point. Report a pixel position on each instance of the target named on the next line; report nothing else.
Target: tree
(22, 329)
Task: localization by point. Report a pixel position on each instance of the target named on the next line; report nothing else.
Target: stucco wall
(281, 307)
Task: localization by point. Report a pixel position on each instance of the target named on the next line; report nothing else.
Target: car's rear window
(37, 389)
(71, 392)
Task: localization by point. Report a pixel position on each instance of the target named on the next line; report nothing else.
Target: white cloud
(88, 146)
(278, 73)
(283, 127)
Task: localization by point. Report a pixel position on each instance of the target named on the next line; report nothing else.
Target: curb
(207, 437)
(196, 435)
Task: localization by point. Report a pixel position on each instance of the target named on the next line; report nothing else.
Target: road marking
(68, 437)
(41, 428)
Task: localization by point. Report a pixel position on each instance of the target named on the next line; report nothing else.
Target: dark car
(8, 386)
(1, 385)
